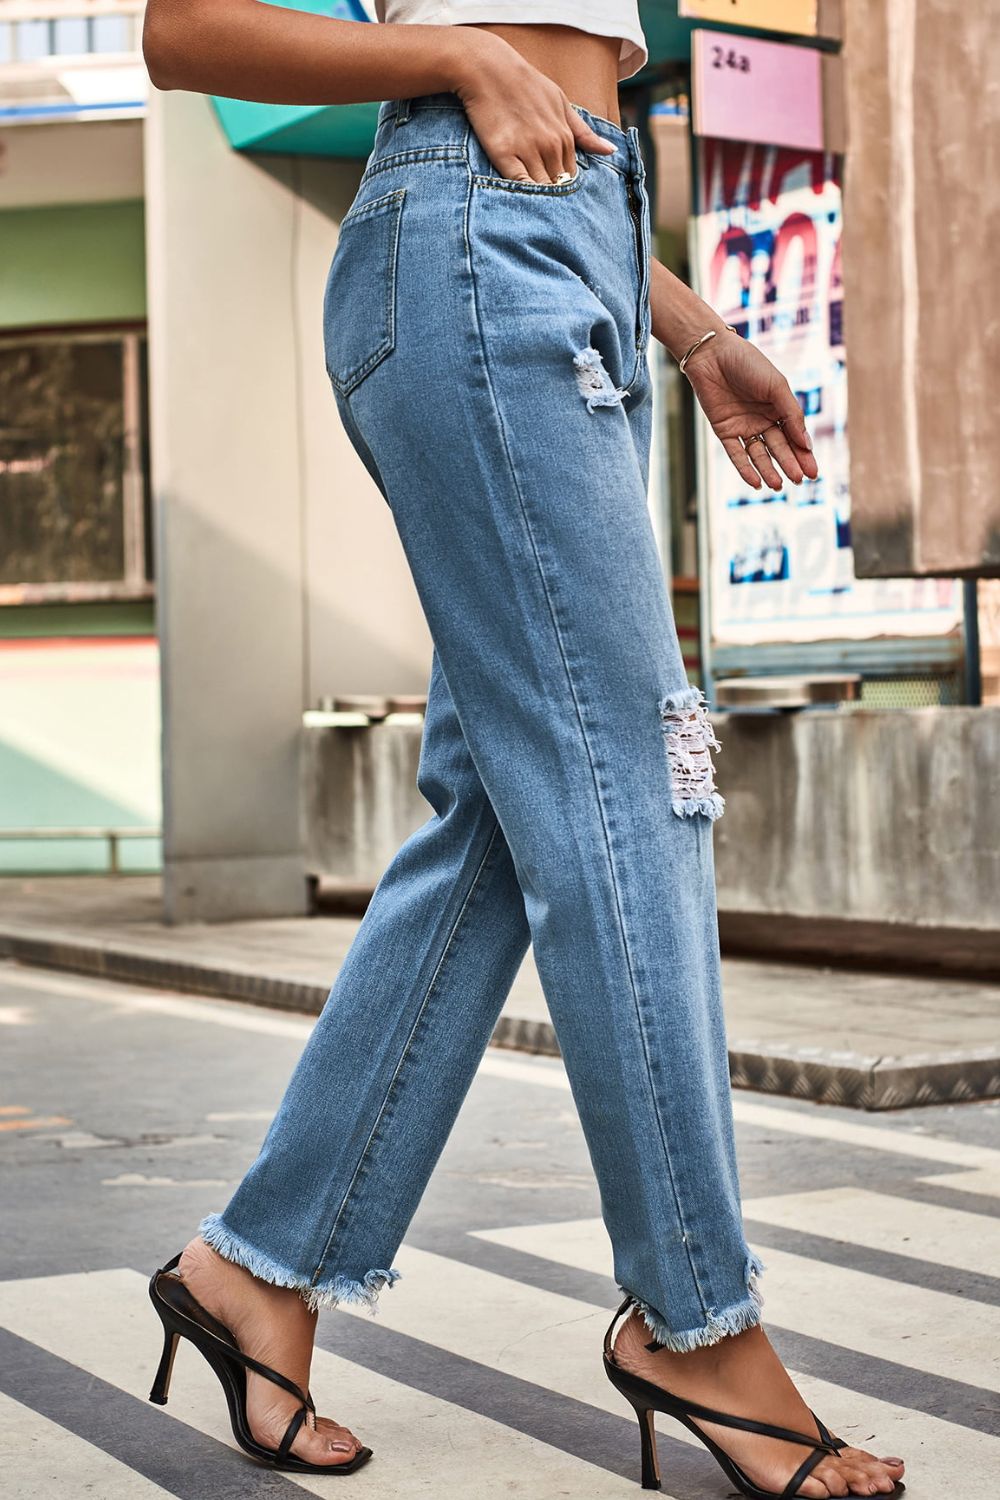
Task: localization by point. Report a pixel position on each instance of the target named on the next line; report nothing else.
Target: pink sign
(745, 89)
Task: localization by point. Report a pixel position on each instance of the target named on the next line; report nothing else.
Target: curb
(844, 1078)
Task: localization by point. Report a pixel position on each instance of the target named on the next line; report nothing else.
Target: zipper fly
(642, 264)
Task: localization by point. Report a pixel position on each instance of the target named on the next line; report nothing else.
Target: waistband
(393, 115)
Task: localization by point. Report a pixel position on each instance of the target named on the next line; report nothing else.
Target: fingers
(741, 462)
(555, 158)
(794, 428)
(528, 167)
(584, 137)
(756, 449)
(544, 164)
(783, 453)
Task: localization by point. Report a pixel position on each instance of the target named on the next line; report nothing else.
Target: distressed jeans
(486, 341)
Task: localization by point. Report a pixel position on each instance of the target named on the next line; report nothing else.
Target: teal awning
(348, 130)
(303, 129)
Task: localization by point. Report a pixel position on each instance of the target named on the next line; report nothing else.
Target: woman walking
(487, 319)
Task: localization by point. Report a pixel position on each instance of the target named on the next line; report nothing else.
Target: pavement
(127, 1113)
(841, 1036)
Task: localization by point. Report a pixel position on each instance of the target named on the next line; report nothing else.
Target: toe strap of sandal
(291, 1433)
(803, 1471)
(835, 1443)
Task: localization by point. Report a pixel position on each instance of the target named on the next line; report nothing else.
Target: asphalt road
(126, 1114)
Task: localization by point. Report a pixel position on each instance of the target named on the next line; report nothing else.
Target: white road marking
(135, 999)
(985, 1180)
(15, 1015)
(554, 1341)
(896, 1139)
(941, 1334)
(423, 1446)
(41, 1459)
(944, 1236)
(139, 1179)
(102, 1322)
(226, 1116)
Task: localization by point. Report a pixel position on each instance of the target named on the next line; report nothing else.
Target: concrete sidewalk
(869, 1040)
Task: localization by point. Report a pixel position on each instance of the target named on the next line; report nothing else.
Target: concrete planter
(865, 834)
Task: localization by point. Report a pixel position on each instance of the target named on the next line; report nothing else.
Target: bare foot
(272, 1324)
(742, 1375)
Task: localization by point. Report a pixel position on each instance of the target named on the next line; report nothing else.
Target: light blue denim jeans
(486, 341)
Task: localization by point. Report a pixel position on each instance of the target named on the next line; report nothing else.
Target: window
(74, 493)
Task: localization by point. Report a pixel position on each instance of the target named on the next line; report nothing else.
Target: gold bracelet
(698, 343)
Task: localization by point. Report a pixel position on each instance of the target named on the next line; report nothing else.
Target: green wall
(112, 618)
(74, 263)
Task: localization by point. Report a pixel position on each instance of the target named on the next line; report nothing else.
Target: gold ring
(758, 437)
(563, 177)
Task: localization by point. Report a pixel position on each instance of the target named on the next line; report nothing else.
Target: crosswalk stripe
(42, 1459)
(943, 1335)
(985, 1180)
(877, 1221)
(891, 1138)
(554, 1341)
(101, 1322)
(424, 1446)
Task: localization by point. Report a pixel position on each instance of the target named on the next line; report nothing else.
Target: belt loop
(402, 111)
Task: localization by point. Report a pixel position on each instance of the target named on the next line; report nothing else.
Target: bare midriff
(584, 66)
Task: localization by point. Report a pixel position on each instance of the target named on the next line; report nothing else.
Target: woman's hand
(524, 121)
(740, 391)
(742, 394)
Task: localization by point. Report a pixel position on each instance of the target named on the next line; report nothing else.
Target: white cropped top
(618, 18)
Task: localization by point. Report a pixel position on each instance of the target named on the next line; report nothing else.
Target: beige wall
(922, 294)
(365, 631)
(279, 574)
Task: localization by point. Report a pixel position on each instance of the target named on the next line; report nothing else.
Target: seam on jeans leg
(317, 1274)
(590, 758)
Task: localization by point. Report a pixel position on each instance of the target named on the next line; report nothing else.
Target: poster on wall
(766, 250)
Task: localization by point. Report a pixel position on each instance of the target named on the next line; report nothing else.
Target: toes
(835, 1482)
(326, 1441)
(868, 1479)
(832, 1476)
(882, 1474)
(342, 1451)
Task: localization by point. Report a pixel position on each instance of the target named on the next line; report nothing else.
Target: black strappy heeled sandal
(184, 1317)
(647, 1398)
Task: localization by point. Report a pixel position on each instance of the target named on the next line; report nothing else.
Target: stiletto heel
(646, 1398)
(184, 1317)
(650, 1460)
(161, 1382)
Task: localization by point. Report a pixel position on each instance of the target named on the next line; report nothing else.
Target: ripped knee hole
(690, 739)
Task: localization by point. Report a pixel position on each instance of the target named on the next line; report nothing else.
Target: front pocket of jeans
(515, 185)
(359, 302)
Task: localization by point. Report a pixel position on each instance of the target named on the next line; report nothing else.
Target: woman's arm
(244, 49)
(740, 391)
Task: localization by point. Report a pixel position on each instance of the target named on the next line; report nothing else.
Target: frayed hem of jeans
(327, 1293)
(718, 1325)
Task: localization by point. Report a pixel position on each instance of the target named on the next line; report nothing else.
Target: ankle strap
(229, 1344)
(608, 1351)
